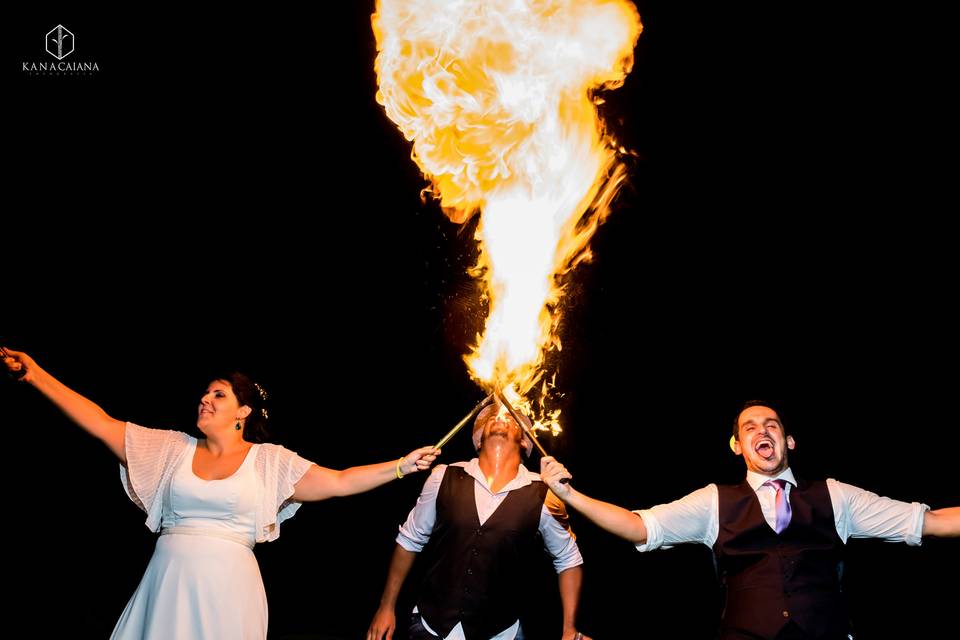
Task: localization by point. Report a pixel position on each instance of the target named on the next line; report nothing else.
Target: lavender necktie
(783, 505)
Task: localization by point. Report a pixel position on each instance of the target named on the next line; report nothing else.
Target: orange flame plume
(499, 100)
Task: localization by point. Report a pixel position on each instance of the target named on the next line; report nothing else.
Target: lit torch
(499, 100)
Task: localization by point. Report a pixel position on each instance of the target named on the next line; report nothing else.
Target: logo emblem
(59, 42)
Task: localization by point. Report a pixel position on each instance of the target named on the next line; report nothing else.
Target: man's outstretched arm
(942, 523)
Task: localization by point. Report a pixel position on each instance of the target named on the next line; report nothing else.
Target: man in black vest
(777, 539)
(479, 523)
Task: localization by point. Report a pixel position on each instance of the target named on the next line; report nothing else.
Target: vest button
(476, 552)
(786, 614)
(469, 572)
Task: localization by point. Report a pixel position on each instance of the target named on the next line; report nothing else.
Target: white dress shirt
(856, 514)
(558, 539)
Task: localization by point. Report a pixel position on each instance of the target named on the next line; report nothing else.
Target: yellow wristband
(399, 473)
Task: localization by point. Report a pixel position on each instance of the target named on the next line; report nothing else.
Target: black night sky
(225, 192)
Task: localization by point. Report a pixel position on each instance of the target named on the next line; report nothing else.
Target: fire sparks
(498, 98)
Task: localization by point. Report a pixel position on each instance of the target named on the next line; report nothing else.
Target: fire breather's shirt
(558, 538)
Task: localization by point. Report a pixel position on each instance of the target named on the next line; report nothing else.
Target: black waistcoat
(474, 572)
(772, 579)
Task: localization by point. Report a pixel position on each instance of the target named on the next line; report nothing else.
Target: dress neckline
(193, 454)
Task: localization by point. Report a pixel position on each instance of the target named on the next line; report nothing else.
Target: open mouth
(764, 448)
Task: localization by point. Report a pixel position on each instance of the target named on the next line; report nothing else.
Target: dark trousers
(418, 632)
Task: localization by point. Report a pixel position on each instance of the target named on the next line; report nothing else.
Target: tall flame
(497, 97)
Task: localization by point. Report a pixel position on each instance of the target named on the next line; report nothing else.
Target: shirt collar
(522, 479)
(756, 480)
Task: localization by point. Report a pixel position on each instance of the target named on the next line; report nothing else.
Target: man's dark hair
(770, 404)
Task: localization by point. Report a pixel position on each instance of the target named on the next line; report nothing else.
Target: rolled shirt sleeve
(692, 518)
(415, 531)
(859, 513)
(558, 538)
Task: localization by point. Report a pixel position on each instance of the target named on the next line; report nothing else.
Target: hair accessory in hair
(263, 394)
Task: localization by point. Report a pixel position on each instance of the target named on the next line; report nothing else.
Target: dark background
(226, 192)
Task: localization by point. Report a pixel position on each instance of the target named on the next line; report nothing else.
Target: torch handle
(470, 416)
